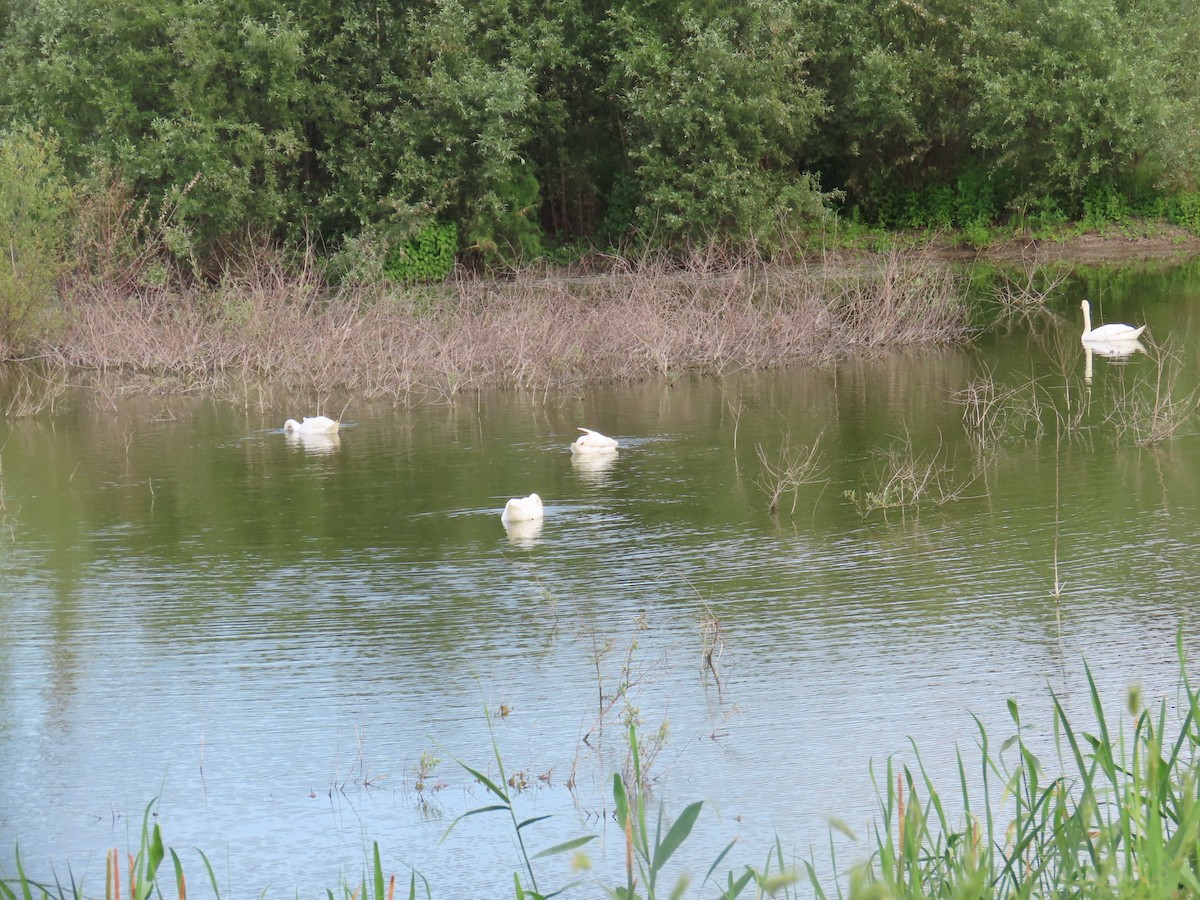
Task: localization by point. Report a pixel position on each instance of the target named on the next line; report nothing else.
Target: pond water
(272, 637)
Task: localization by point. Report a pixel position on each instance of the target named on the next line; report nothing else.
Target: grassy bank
(1114, 813)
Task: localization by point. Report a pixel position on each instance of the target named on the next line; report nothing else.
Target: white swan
(312, 425)
(522, 509)
(593, 442)
(1106, 334)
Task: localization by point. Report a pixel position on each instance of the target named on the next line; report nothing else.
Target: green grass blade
(379, 888)
(212, 877)
(621, 799)
(486, 782)
(717, 862)
(565, 846)
(412, 886)
(178, 866)
(734, 887)
(22, 879)
(640, 832)
(532, 821)
(625, 822)
(676, 835)
(814, 882)
(157, 854)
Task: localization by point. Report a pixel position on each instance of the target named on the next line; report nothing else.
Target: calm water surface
(270, 636)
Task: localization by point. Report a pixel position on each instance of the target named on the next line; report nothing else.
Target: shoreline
(540, 329)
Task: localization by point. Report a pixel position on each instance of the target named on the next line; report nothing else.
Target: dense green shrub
(1184, 210)
(427, 256)
(196, 102)
(34, 199)
(1030, 102)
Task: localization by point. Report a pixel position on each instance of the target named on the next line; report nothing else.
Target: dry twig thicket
(267, 321)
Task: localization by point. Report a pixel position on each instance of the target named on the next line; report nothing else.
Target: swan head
(291, 425)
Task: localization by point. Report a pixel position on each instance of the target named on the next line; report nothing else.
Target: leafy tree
(193, 100)
(517, 123)
(34, 199)
(715, 110)
(1075, 92)
(897, 90)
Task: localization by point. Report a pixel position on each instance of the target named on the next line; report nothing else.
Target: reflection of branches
(993, 411)
(631, 677)
(36, 388)
(1022, 295)
(5, 520)
(712, 640)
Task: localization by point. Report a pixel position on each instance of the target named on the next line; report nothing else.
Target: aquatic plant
(499, 788)
(1115, 813)
(905, 479)
(278, 320)
(994, 412)
(141, 881)
(788, 470)
(33, 388)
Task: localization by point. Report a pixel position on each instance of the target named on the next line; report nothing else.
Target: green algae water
(289, 642)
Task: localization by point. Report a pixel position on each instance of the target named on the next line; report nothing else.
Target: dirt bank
(1153, 242)
(1165, 243)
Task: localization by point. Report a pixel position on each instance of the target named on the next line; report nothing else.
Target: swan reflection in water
(319, 442)
(524, 534)
(1117, 351)
(594, 468)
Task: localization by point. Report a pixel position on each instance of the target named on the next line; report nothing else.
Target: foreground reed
(1116, 813)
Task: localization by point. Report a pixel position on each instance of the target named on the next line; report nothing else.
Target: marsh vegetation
(536, 331)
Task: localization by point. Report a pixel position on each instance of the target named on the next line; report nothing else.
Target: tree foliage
(715, 111)
(34, 198)
(534, 123)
